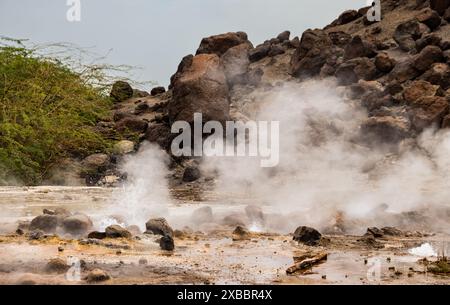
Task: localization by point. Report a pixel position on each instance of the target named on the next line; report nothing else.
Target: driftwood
(307, 263)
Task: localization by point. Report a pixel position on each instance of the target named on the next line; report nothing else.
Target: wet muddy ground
(210, 257)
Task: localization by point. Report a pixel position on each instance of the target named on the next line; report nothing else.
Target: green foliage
(47, 112)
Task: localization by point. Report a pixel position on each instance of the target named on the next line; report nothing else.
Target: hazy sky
(156, 34)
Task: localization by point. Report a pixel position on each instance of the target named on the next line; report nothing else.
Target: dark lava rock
(375, 232)
(57, 265)
(191, 174)
(97, 235)
(45, 223)
(166, 243)
(307, 236)
(121, 91)
(78, 224)
(116, 231)
(159, 226)
(97, 275)
(157, 91)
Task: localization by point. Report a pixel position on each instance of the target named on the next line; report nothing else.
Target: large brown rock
(200, 87)
(132, 124)
(159, 133)
(407, 33)
(418, 89)
(219, 44)
(384, 62)
(353, 70)
(308, 59)
(438, 74)
(440, 6)
(429, 17)
(45, 223)
(403, 71)
(78, 224)
(428, 110)
(121, 91)
(389, 129)
(428, 56)
(359, 48)
(159, 226)
(347, 17)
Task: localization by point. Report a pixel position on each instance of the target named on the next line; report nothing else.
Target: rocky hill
(397, 69)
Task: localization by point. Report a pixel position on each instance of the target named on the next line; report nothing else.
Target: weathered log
(307, 263)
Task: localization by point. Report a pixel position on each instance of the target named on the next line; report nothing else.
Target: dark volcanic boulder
(407, 33)
(384, 63)
(308, 59)
(116, 231)
(418, 89)
(347, 17)
(202, 88)
(78, 224)
(159, 226)
(307, 236)
(132, 124)
(403, 71)
(57, 266)
(429, 17)
(387, 129)
(97, 235)
(160, 134)
(427, 111)
(353, 70)
(191, 174)
(259, 52)
(359, 48)
(440, 6)
(340, 38)
(121, 91)
(219, 44)
(428, 56)
(157, 91)
(427, 40)
(438, 74)
(166, 243)
(284, 36)
(45, 223)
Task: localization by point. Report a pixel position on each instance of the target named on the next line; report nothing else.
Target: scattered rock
(384, 63)
(57, 265)
(132, 124)
(116, 231)
(121, 91)
(359, 48)
(438, 74)
(36, 235)
(78, 224)
(387, 129)
(157, 91)
(191, 174)
(347, 17)
(259, 52)
(307, 236)
(97, 275)
(353, 70)
(440, 6)
(407, 33)
(375, 232)
(45, 223)
(166, 243)
(159, 226)
(428, 56)
(429, 17)
(219, 44)
(418, 89)
(97, 235)
(391, 231)
(427, 111)
(315, 47)
(284, 36)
